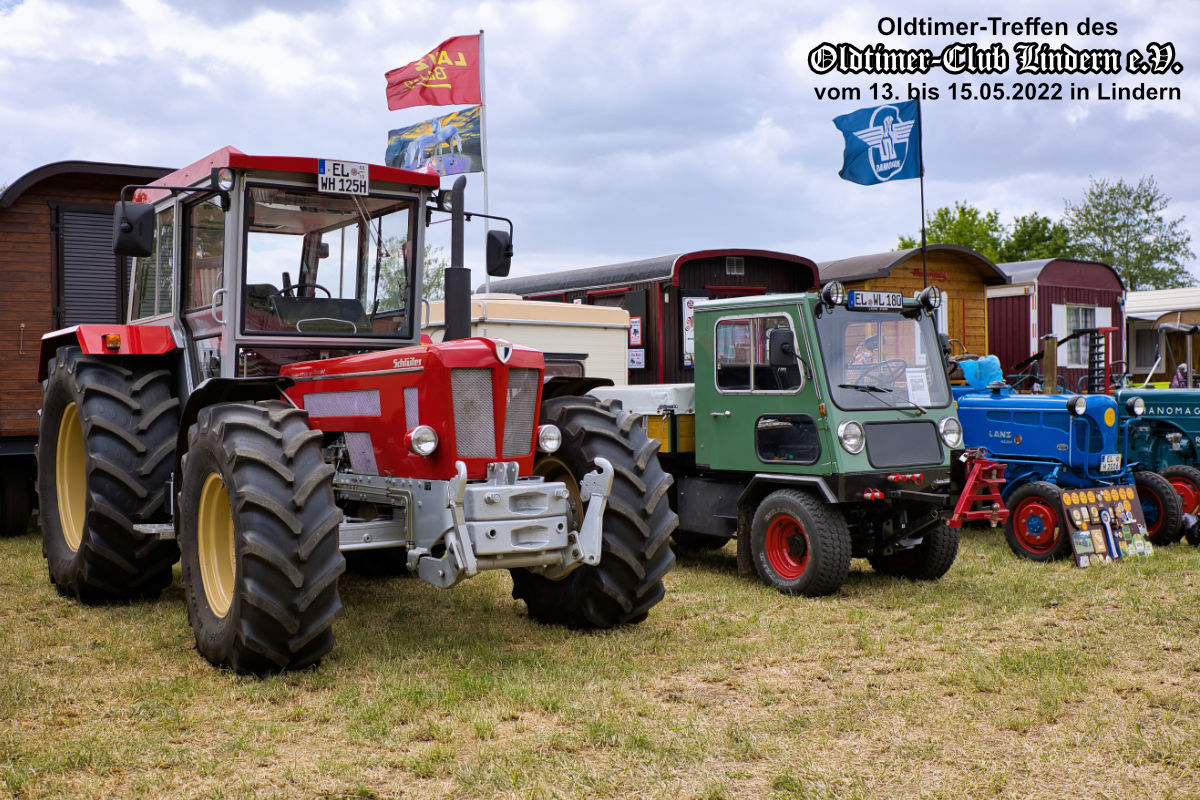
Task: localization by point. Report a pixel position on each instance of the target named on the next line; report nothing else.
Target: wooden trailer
(659, 292)
(1055, 296)
(56, 256)
(962, 275)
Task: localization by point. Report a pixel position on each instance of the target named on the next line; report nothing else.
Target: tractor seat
(321, 314)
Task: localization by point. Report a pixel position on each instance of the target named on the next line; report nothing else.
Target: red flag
(445, 76)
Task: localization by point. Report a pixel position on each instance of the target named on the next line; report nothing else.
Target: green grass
(1005, 679)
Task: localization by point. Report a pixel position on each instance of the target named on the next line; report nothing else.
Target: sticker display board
(1105, 523)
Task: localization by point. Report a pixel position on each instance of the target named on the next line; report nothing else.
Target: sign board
(688, 320)
(637, 358)
(1105, 523)
(635, 331)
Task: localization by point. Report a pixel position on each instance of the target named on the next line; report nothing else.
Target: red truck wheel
(1035, 528)
(799, 544)
(258, 535)
(638, 520)
(106, 442)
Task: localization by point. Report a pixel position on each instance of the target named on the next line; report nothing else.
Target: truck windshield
(328, 264)
(875, 359)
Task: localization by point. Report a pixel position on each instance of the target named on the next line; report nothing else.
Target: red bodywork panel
(427, 368)
(232, 157)
(136, 340)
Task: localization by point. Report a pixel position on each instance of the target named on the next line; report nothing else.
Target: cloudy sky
(616, 130)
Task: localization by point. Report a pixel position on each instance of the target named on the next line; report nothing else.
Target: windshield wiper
(869, 389)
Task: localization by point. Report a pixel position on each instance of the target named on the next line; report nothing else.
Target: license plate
(1110, 462)
(342, 177)
(876, 301)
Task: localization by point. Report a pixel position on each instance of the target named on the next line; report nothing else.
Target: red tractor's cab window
(328, 265)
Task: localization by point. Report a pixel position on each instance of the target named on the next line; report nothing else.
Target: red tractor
(257, 426)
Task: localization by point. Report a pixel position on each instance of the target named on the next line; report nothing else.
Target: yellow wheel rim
(70, 477)
(552, 468)
(215, 542)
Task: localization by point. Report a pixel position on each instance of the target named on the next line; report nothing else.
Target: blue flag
(882, 143)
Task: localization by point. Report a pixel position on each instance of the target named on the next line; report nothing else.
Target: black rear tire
(928, 561)
(1161, 507)
(16, 497)
(638, 520)
(258, 531)
(799, 544)
(112, 423)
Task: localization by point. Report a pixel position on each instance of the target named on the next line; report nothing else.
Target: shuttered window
(90, 283)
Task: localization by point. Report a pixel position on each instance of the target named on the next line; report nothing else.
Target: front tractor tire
(800, 545)
(258, 534)
(106, 444)
(1036, 527)
(928, 561)
(637, 524)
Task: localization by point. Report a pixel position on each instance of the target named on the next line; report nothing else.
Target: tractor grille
(902, 444)
(474, 427)
(522, 409)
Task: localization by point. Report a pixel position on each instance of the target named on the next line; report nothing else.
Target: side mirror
(781, 351)
(133, 229)
(499, 253)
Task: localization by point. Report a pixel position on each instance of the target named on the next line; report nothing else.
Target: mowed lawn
(1005, 679)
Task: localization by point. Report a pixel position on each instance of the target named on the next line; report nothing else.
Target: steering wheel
(889, 371)
(293, 289)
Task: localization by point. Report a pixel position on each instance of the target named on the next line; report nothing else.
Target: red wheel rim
(1036, 526)
(1152, 510)
(787, 547)
(1189, 493)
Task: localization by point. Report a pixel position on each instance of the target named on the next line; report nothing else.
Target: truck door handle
(719, 413)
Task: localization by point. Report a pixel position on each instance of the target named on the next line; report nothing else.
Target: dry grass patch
(1005, 679)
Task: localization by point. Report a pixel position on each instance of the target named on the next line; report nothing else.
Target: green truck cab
(819, 428)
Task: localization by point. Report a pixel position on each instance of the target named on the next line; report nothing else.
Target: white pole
(487, 279)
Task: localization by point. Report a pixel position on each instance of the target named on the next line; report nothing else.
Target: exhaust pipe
(457, 285)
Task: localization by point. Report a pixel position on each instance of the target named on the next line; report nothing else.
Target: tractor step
(982, 489)
(159, 530)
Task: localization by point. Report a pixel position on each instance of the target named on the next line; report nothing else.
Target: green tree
(1123, 225)
(1033, 237)
(393, 274)
(963, 225)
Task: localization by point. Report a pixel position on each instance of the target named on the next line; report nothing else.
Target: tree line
(1116, 223)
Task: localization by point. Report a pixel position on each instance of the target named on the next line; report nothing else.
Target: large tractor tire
(1161, 507)
(799, 544)
(638, 520)
(928, 561)
(1185, 480)
(105, 454)
(258, 533)
(1036, 526)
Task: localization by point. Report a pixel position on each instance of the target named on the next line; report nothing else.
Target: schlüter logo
(887, 141)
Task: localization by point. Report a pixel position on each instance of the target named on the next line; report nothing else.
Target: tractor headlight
(1077, 405)
(930, 298)
(950, 430)
(833, 294)
(422, 440)
(1135, 406)
(851, 435)
(549, 438)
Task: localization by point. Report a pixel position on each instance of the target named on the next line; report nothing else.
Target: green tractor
(820, 428)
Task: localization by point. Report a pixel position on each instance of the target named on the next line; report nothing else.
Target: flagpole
(487, 279)
(921, 170)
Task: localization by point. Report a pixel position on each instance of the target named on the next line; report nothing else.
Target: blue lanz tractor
(1055, 442)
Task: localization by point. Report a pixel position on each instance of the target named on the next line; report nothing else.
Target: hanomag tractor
(256, 425)
(820, 427)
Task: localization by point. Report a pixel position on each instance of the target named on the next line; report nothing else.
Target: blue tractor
(1056, 442)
